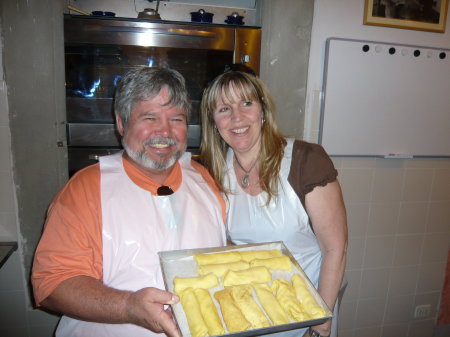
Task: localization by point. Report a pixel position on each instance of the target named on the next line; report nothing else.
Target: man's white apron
(137, 225)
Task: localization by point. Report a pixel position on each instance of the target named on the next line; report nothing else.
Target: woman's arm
(325, 207)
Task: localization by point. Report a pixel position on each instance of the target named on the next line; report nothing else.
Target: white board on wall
(384, 99)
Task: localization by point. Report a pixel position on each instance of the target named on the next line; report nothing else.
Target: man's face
(156, 135)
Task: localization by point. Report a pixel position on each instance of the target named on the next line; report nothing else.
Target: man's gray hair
(145, 83)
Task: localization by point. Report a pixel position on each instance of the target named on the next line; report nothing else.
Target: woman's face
(239, 122)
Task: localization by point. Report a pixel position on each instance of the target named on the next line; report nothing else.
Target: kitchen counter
(6, 249)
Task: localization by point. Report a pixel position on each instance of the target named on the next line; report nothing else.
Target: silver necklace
(245, 182)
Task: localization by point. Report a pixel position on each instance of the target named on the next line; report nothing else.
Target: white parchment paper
(181, 263)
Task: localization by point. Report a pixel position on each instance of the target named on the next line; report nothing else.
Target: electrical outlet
(422, 311)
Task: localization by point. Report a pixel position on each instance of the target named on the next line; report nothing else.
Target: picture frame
(425, 15)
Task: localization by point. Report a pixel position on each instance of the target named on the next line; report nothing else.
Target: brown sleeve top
(310, 167)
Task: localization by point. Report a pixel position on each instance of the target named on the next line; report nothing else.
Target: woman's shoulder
(310, 167)
(301, 147)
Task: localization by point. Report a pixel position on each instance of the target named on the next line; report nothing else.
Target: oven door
(98, 51)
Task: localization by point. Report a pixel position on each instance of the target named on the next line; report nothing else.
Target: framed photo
(426, 15)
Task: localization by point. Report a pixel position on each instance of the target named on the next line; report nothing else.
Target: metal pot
(201, 16)
(149, 13)
(234, 19)
(102, 13)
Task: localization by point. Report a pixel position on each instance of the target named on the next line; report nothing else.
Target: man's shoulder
(88, 178)
(204, 173)
(198, 167)
(211, 183)
(87, 173)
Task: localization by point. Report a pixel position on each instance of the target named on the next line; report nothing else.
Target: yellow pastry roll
(247, 276)
(305, 297)
(220, 269)
(270, 304)
(274, 263)
(216, 258)
(285, 295)
(232, 315)
(243, 297)
(191, 308)
(248, 255)
(205, 282)
(209, 312)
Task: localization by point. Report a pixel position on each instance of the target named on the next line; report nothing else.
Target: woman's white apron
(285, 219)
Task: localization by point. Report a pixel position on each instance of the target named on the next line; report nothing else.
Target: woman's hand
(323, 329)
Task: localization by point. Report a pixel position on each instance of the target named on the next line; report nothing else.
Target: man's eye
(178, 119)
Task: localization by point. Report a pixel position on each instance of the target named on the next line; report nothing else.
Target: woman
(277, 189)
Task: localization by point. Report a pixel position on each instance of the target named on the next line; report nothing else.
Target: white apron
(250, 221)
(137, 225)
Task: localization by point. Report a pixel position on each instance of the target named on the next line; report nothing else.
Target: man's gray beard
(141, 157)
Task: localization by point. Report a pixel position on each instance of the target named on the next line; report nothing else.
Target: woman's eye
(222, 110)
(247, 103)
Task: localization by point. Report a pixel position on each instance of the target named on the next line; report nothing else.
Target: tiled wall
(399, 235)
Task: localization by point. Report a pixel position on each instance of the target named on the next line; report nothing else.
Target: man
(97, 260)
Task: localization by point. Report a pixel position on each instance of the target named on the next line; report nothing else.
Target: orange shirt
(71, 244)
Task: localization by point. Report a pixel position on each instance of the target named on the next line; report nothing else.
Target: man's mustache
(160, 140)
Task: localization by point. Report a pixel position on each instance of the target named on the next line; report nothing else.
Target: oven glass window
(92, 72)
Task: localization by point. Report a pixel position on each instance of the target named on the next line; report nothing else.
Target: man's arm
(88, 299)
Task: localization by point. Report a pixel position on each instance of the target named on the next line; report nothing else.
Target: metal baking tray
(181, 263)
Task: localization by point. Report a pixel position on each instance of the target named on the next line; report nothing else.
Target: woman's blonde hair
(213, 148)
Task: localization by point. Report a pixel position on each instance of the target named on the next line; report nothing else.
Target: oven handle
(94, 157)
(161, 31)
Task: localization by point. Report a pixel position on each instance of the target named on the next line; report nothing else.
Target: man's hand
(85, 298)
(145, 308)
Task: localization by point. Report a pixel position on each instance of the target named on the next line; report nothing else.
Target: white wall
(344, 19)
(173, 10)
(398, 210)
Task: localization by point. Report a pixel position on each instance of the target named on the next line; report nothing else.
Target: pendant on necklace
(245, 181)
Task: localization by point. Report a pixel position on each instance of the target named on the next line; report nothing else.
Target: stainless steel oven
(98, 51)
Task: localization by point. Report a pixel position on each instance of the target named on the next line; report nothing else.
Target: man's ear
(120, 126)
